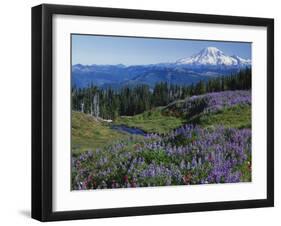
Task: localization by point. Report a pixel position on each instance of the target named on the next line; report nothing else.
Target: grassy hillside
(153, 121)
(230, 109)
(88, 133)
(234, 117)
(160, 121)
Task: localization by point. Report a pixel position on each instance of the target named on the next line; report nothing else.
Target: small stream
(130, 130)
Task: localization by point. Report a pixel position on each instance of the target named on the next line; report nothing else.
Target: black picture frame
(42, 111)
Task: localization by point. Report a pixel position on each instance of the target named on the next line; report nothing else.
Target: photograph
(145, 112)
(152, 112)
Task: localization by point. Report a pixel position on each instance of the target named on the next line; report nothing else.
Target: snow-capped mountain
(213, 56)
(209, 62)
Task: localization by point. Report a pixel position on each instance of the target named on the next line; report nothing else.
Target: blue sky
(91, 49)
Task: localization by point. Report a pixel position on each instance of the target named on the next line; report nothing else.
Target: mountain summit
(213, 56)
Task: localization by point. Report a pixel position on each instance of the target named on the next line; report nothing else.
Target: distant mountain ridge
(209, 62)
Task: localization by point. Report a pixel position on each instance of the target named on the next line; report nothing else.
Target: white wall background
(15, 113)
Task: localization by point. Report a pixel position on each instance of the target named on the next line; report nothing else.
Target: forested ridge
(128, 101)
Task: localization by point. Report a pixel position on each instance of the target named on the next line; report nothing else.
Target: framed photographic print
(145, 112)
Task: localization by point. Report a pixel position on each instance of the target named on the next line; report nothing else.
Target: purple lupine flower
(211, 156)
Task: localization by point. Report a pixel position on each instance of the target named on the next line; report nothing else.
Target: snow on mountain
(213, 56)
(242, 61)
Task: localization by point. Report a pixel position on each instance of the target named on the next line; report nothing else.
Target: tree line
(110, 103)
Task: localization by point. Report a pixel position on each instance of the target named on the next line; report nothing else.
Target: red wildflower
(187, 179)
(126, 178)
